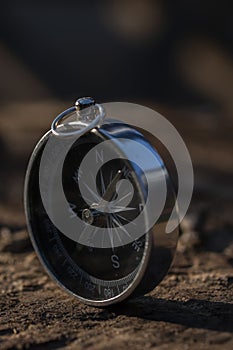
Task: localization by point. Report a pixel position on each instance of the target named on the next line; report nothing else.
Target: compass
(103, 261)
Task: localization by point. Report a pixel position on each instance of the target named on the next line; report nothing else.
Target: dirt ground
(191, 309)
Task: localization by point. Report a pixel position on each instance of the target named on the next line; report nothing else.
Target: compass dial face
(94, 274)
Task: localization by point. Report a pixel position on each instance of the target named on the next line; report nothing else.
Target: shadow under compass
(194, 313)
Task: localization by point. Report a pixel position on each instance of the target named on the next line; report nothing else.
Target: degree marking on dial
(71, 209)
(77, 175)
(126, 171)
(99, 156)
(110, 233)
(102, 182)
(115, 220)
(137, 245)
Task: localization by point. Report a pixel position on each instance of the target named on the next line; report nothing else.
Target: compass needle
(121, 226)
(127, 195)
(123, 218)
(96, 197)
(118, 208)
(116, 231)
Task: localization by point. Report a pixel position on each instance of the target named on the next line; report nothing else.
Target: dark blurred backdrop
(113, 50)
(175, 56)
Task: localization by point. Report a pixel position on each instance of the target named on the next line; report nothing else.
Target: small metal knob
(84, 102)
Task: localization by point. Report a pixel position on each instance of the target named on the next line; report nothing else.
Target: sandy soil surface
(191, 309)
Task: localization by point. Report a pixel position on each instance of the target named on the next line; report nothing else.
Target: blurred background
(173, 56)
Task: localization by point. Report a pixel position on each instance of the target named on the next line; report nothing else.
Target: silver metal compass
(125, 265)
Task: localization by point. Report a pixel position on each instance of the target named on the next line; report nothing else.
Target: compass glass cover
(89, 272)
